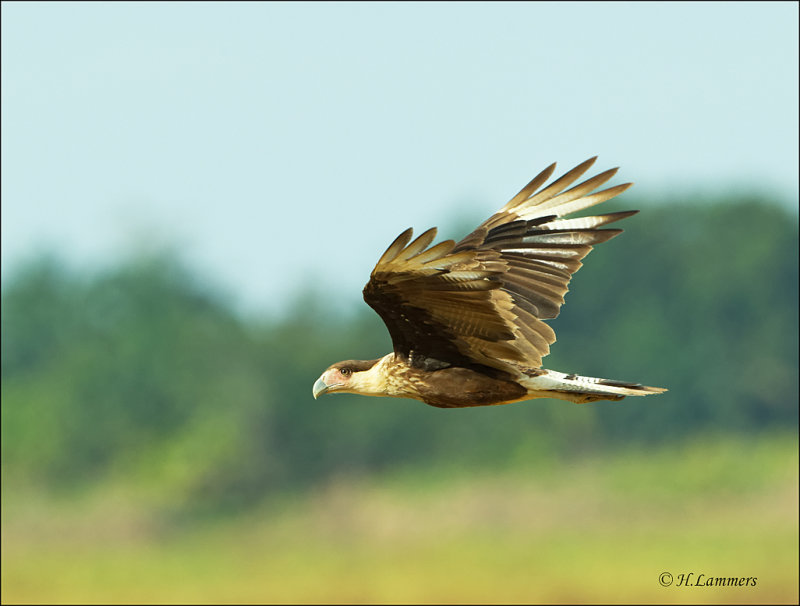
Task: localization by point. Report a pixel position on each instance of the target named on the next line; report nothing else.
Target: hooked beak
(320, 387)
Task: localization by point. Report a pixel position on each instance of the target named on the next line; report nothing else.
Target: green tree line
(144, 371)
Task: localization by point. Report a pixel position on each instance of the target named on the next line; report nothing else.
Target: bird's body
(466, 318)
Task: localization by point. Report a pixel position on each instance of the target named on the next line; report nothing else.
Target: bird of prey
(467, 319)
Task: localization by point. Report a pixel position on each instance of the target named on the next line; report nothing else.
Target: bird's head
(350, 376)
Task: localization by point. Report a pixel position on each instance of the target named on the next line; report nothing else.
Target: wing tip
(394, 249)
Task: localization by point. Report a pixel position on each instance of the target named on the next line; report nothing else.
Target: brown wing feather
(481, 302)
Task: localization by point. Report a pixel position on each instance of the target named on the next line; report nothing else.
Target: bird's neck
(387, 377)
(373, 381)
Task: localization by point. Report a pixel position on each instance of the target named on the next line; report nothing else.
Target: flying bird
(467, 319)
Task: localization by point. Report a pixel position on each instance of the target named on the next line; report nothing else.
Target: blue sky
(273, 144)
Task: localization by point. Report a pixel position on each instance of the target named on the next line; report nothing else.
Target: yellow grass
(601, 529)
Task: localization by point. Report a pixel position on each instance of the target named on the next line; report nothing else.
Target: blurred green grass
(599, 528)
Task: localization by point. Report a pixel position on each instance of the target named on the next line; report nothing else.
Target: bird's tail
(576, 388)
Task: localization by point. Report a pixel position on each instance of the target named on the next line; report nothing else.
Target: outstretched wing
(482, 301)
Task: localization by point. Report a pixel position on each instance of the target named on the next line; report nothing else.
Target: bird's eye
(346, 372)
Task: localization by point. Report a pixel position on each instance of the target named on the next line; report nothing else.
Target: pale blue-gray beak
(320, 387)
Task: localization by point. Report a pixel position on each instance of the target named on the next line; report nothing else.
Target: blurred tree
(112, 367)
(145, 371)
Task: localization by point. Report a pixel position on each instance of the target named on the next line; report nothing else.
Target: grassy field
(598, 529)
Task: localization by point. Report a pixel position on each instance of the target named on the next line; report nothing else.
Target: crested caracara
(467, 318)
